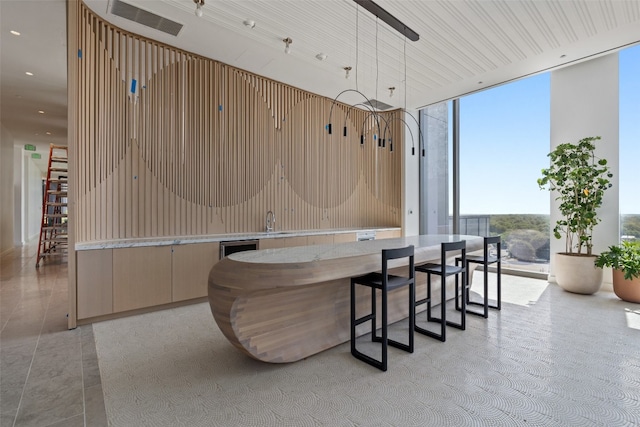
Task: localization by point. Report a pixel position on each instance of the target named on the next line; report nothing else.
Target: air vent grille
(378, 105)
(135, 14)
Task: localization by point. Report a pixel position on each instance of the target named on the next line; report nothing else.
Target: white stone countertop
(185, 240)
(307, 254)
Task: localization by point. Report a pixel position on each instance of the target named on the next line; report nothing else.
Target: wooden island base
(282, 305)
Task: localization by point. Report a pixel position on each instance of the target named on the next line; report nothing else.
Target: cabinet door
(344, 237)
(271, 243)
(295, 241)
(320, 239)
(387, 234)
(141, 277)
(94, 282)
(191, 265)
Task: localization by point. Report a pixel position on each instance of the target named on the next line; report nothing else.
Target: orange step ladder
(53, 229)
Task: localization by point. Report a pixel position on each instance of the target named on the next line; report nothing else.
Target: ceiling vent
(378, 105)
(135, 14)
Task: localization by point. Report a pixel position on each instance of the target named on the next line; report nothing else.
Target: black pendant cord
(399, 119)
(335, 100)
(357, 42)
(420, 136)
(377, 117)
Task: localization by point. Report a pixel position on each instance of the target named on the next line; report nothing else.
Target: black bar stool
(443, 270)
(485, 260)
(385, 282)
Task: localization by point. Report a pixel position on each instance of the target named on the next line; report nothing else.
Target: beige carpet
(550, 358)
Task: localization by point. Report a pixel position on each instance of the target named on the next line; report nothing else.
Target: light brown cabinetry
(388, 234)
(95, 283)
(141, 277)
(344, 237)
(320, 239)
(290, 242)
(191, 265)
(271, 243)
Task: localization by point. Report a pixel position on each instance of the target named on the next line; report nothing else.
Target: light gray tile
(77, 421)
(14, 368)
(45, 403)
(94, 407)
(7, 419)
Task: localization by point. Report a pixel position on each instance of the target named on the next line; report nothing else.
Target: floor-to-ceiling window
(629, 142)
(504, 141)
(503, 145)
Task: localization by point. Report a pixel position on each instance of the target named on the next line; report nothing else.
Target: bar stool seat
(384, 282)
(486, 259)
(443, 270)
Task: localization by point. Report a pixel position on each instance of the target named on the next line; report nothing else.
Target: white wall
(411, 178)
(585, 102)
(6, 190)
(18, 160)
(32, 197)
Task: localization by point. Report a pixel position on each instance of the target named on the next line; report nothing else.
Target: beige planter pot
(627, 290)
(577, 273)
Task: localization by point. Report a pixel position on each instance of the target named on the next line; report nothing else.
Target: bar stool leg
(443, 306)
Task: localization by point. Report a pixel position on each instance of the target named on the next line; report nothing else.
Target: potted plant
(579, 178)
(625, 261)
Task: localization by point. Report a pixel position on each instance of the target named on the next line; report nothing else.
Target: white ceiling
(464, 46)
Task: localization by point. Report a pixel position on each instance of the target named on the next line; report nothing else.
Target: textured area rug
(560, 360)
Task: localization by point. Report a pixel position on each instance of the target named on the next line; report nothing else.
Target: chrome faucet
(270, 221)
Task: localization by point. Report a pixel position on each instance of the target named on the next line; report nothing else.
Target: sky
(504, 144)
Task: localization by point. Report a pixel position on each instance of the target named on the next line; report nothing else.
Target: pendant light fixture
(381, 136)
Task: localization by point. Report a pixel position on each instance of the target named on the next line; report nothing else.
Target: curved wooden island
(282, 305)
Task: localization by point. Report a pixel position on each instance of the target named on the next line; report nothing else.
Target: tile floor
(550, 358)
(49, 375)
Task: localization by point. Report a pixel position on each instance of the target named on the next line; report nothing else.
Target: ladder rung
(58, 170)
(56, 204)
(59, 159)
(56, 215)
(57, 192)
(53, 253)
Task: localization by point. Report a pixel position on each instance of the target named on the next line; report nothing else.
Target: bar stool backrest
(389, 254)
(451, 247)
(494, 240)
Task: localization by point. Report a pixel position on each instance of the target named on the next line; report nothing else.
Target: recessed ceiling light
(563, 56)
(249, 23)
(15, 33)
(321, 56)
(48, 133)
(28, 73)
(479, 83)
(40, 111)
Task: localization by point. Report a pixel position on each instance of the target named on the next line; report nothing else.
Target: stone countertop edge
(185, 240)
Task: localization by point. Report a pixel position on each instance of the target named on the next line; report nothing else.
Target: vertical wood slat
(169, 162)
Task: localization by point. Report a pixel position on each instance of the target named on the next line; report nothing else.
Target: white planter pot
(577, 273)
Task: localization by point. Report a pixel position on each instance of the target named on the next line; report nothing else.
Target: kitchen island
(282, 305)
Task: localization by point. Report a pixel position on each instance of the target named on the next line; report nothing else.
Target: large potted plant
(625, 261)
(579, 179)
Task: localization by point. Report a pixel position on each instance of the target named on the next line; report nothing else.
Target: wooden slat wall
(200, 147)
